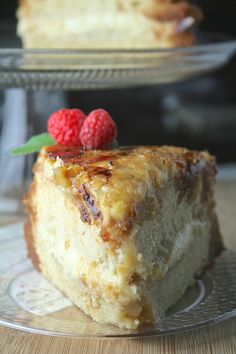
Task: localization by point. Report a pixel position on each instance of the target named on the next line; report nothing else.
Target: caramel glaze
(89, 201)
(76, 159)
(77, 155)
(122, 170)
(172, 12)
(185, 160)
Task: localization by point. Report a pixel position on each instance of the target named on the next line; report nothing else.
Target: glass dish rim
(147, 334)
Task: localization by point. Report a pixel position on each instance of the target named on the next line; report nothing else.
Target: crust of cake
(29, 225)
(136, 273)
(149, 24)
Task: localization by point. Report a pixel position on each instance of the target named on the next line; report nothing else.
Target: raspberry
(98, 130)
(65, 125)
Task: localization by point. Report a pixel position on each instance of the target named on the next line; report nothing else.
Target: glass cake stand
(94, 69)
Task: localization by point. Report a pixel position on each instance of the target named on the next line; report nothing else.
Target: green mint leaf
(34, 144)
(113, 145)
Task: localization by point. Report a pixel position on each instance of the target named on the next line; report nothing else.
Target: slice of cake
(122, 232)
(106, 23)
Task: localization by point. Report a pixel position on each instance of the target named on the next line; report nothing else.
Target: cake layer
(122, 232)
(106, 24)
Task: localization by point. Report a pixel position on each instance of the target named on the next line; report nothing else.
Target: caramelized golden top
(113, 187)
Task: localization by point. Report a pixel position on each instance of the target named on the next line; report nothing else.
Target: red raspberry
(98, 130)
(65, 125)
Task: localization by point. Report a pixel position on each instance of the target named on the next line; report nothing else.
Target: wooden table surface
(220, 338)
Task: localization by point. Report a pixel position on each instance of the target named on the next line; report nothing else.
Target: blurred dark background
(198, 113)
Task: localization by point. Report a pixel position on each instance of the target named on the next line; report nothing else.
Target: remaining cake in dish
(122, 232)
(106, 23)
